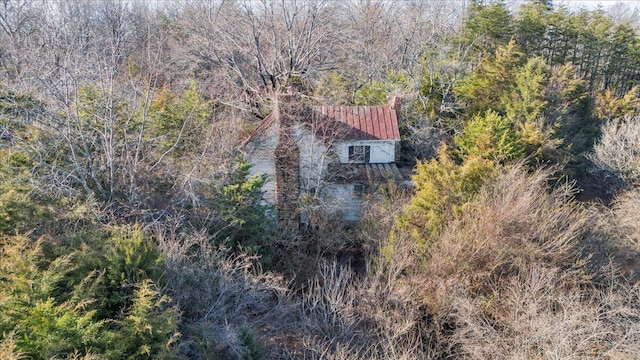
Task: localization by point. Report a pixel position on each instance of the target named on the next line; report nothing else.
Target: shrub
(80, 300)
(618, 149)
(543, 314)
(442, 190)
(490, 136)
(626, 210)
(33, 321)
(222, 293)
(149, 328)
(511, 225)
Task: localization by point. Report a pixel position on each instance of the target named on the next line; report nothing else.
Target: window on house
(359, 154)
(360, 190)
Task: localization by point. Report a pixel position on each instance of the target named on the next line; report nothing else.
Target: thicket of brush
(131, 229)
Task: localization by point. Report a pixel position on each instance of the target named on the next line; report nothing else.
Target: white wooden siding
(381, 151)
(341, 198)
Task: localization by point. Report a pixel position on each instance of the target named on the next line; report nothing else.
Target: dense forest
(131, 229)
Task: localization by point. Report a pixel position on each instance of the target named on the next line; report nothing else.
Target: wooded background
(129, 226)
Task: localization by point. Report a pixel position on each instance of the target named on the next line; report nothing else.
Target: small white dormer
(365, 135)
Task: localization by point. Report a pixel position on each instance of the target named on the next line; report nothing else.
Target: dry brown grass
(345, 316)
(618, 149)
(513, 224)
(512, 280)
(347, 313)
(626, 211)
(541, 315)
(511, 277)
(221, 293)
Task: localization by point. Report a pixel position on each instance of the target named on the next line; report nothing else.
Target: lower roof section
(370, 173)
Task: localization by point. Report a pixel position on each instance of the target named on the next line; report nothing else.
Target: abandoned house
(326, 157)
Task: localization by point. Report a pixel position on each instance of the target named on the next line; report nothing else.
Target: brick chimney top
(395, 103)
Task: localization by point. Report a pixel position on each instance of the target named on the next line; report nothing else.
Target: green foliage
(59, 299)
(513, 96)
(253, 349)
(149, 328)
(17, 209)
(602, 52)
(567, 96)
(17, 110)
(609, 107)
(341, 89)
(335, 88)
(51, 329)
(491, 137)
(527, 102)
(372, 93)
(177, 123)
(42, 326)
(531, 26)
(95, 108)
(431, 91)
(544, 83)
(377, 92)
(240, 214)
(442, 190)
(624, 47)
(487, 27)
(19, 212)
(495, 76)
(568, 113)
(130, 258)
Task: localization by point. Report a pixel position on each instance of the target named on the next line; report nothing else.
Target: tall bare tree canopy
(131, 226)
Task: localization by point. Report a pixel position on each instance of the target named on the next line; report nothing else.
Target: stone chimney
(288, 112)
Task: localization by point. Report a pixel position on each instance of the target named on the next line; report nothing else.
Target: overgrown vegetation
(131, 229)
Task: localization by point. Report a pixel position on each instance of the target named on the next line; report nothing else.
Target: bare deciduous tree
(248, 49)
(627, 216)
(618, 149)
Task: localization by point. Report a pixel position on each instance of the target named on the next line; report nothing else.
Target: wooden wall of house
(382, 151)
(342, 198)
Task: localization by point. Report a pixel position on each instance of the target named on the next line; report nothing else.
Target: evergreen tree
(486, 27)
(485, 88)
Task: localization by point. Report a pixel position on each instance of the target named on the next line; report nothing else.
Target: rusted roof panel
(389, 117)
(379, 113)
(366, 122)
(350, 122)
(369, 173)
(372, 113)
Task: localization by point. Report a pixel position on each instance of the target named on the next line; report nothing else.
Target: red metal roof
(364, 122)
(350, 122)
